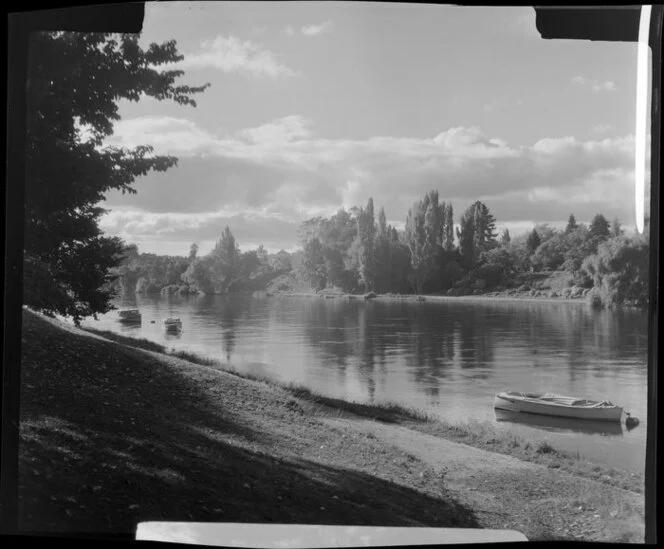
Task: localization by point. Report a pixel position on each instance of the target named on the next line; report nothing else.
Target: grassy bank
(481, 435)
(111, 435)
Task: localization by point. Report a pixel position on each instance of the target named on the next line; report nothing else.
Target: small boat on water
(173, 323)
(129, 315)
(550, 404)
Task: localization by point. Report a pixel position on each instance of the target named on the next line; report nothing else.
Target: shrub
(594, 299)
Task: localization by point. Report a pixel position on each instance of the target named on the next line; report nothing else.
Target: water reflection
(551, 423)
(449, 357)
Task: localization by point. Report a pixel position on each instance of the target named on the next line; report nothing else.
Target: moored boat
(129, 315)
(173, 323)
(551, 404)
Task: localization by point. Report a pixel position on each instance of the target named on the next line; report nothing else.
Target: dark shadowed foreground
(113, 435)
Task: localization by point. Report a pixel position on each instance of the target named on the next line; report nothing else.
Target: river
(447, 357)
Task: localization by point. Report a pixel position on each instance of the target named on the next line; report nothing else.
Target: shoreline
(125, 431)
(427, 297)
(475, 433)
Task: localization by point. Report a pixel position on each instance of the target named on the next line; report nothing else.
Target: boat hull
(173, 324)
(531, 405)
(130, 316)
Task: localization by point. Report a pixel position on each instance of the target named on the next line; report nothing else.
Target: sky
(317, 106)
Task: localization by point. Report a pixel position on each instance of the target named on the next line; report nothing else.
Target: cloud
(289, 31)
(230, 54)
(315, 30)
(271, 177)
(595, 85)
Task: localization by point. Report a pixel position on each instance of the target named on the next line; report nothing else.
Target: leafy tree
(466, 237)
(421, 235)
(533, 241)
(620, 272)
(550, 254)
(382, 253)
(599, 229)
(494, 266)
(448, 227)
(616, 228)
(476, 233)
(313, 264)
(505, 238)
(545, 231)
(578, 246)
(74, 83)
(199, 275)
(366, 233)
(571, 224)
(281, 261)
(225, 261)
(193, 251)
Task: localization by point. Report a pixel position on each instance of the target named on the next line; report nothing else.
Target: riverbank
(112, 434)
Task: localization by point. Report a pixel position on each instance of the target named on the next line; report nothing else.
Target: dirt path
(506, 492)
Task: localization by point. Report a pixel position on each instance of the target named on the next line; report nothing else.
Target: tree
(533, 241)
(550, 254)
(225, 261)
(578, 246)
(477, 232)
(505, 238)
(75, 81)
(571, 224)
(448, 228)
(600, 229)
(620, 272)
(313, 264)
(616, 228)
(382, 253)
(366, 233)
(193, 251)
(423, 236)
(281, 261)
(466, 237)
(199, 275)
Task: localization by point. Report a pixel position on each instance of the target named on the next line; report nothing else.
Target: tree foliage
(75, 81)
(619, 271)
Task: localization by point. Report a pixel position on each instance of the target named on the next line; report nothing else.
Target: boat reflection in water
(560, 424)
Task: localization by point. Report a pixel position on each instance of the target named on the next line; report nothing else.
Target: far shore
(427, 297)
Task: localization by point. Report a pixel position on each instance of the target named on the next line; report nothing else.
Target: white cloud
(595, 85)
(315, 30)
(230, 54)
(287, 129)
(273, 176)
(289, 31)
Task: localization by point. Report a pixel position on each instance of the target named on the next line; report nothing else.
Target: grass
(112, 436)
(474, 433)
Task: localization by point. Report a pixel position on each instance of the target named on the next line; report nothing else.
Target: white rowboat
(129, 315)
(550, 404)
(173, 323)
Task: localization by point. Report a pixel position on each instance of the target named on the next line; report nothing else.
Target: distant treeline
(357, 251)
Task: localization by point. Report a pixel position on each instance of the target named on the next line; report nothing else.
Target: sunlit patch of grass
(138, 343)
(196, 359)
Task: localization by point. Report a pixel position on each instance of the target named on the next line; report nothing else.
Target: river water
(447, 357)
